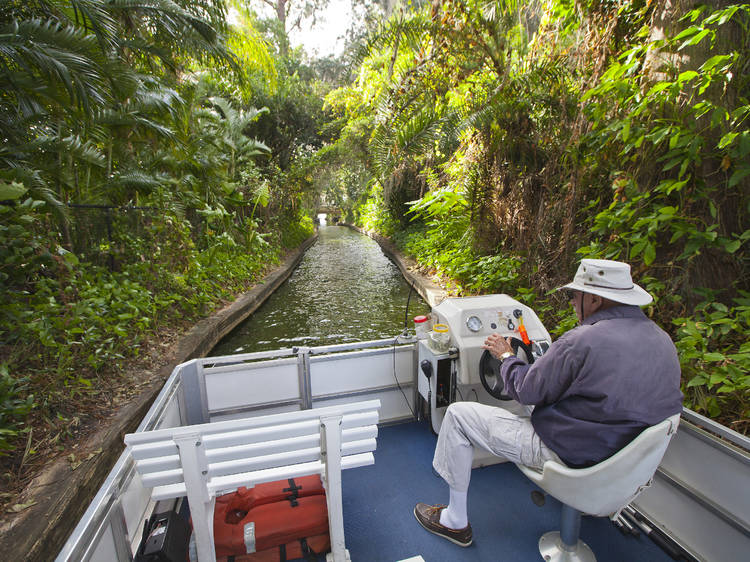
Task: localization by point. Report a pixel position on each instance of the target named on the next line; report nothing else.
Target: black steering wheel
(489, 369)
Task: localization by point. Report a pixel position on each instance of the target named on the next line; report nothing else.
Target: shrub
(15, 405)
(715, 360)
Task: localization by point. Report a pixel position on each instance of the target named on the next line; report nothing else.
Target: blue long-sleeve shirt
(599, 385)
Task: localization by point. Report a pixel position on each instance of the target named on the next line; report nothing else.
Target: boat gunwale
(316, 354)
(120, 475)
(717, 434)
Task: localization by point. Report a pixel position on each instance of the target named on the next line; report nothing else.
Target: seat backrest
(253, 450)
(606, 487)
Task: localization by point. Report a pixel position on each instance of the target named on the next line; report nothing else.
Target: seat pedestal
(565, 546)
(553, 549)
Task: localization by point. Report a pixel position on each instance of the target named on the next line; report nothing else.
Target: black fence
(107, 235)
(99, 232)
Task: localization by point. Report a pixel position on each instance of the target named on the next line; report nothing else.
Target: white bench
(206, 460)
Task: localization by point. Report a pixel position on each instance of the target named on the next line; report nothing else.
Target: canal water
(344, 290)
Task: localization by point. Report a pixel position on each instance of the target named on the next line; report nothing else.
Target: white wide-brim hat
(608, 279)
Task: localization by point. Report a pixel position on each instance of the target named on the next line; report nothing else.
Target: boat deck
(380, 526)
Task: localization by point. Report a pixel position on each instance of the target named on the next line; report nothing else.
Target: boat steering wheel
(489, 368)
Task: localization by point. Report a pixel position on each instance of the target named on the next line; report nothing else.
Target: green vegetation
(156, 160)
(139, 190)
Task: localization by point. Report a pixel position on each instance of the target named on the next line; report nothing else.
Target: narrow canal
(344, 289)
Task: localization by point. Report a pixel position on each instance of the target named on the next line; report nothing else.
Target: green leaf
(637, 248)
(697, 380)
(733, 246)
(726, 140)
(625, 131)
(683, 168)
(676, 236)
(722, 16)
(712, 356)
(672, 163)
(689, 32)
(693, 246)
(11, 191)
(649, 254)
(695, 39)
(658, 135)
(687, 76)
(744, 145)
(716, 60)
(673, 140)
(739, 175)
(658, 87)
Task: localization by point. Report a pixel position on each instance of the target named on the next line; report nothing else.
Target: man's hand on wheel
(497, 345)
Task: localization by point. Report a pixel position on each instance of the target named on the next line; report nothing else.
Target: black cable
(413, 413)
(429, 408)
(406, 314)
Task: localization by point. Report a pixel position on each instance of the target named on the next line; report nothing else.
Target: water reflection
(345, 289)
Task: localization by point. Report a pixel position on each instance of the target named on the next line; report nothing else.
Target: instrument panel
(483, 323)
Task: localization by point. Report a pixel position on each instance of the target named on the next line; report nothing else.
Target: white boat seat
(206, 460)
(600, 490)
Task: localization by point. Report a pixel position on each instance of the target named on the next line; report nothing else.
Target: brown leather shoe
(429, 517)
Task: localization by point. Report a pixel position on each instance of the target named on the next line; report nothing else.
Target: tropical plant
(129, 193)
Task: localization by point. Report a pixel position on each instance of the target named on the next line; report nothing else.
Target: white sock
(454, 516)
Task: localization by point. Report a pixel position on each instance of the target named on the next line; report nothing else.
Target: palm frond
(166, 16)
(93, 16)
(72, 145)
(49, 53)
(252, 53)
(133, 180)
(409, 31)
(251, 148)
(195, 28)
(37, 187)
(420, 133)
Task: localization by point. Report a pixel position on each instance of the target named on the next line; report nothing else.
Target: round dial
(474, 323)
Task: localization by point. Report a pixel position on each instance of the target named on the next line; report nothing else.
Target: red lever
(522, 331)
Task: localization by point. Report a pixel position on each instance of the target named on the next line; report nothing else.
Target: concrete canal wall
(61, 493)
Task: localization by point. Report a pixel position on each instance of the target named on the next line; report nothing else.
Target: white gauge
(474, 323)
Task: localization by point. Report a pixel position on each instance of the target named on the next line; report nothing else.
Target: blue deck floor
(380, 526)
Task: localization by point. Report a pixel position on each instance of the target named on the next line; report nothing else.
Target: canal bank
(58, 496)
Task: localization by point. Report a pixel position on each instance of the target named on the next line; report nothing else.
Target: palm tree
(232, 125)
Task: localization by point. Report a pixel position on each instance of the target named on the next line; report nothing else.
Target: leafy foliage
(135, 194)
(715, 359)
(15, 405)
